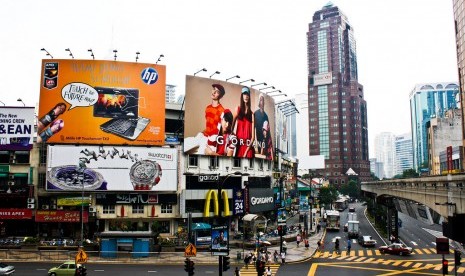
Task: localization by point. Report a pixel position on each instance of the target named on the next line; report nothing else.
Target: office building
(170, 93)
(385, 152)
(404, 153)
(336, 106)
(427, 101)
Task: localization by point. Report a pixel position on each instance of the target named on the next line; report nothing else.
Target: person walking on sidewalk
(307, 245)
(298, 239)
(349, 246)
(276, 256)
(268, 271)
(283, 258)
(237, 272)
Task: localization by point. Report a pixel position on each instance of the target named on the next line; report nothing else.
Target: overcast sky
(399, 43)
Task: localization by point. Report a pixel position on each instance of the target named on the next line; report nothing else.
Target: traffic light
(191, 268)
(445, 267)
(187, 264)
(280, 230)
(457, 257)
(226, 263)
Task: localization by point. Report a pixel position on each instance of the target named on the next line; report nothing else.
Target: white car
(6, 269)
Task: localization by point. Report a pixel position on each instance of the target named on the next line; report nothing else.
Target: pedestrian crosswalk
(252, 271)
(369, 253)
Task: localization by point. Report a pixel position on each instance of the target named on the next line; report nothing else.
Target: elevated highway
(443, 194)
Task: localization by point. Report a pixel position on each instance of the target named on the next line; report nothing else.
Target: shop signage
(238, 201)
(261, 200)
(15, 214)
(213, 194)
(73, 201)
(209, 177)
(112, 199)
(61, 216)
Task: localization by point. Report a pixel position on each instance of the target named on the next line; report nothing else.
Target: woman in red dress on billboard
(243, 125)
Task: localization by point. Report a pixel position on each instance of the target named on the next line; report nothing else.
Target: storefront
(16, 222)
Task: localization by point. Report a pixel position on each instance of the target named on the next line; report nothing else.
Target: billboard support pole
(220, 221)
(82, 168)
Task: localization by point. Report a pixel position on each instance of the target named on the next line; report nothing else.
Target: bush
(31, 240)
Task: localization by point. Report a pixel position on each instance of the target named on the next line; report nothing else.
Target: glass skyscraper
(336, 106)
(428, 100)
(404, 153)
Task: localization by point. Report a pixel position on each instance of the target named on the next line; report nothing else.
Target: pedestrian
(247, 261)
(336, 247)
(284, 246)
(237, 272)
(283, 258)
(268, 271)
(349, 246)
(298, 239)
(318, 243)
(307, 245)
(318, 227)
(276, 255)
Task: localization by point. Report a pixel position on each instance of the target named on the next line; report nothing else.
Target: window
(108, 209)
(164, 226)
(166, 208)
(193, 160)
(137, 209)
(236, 163)
(42, 153)
(42, 180)
(214, 162)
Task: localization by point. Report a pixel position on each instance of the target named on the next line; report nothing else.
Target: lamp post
(159, 58)
(216, 72)
(19, 100)
(81, 170)
(261, 89)
(233, 77)
(274, 91)
(201, 70)
(251, 80)
(264, 83)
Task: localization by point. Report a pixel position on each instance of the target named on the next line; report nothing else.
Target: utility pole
(220, 221)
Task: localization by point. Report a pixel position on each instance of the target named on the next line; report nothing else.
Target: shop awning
(201, 226)
(250, 217)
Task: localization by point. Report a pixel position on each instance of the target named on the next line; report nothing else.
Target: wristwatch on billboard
(145, 174)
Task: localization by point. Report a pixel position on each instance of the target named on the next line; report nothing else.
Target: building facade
(336, 107)
(170, 94)
(385, 152)
(404, 153)
(427, 101)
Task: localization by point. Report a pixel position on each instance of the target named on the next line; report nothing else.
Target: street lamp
(46, 52)
(277, 95)
(273, 92)
(236, 76)
(201, 70)
(251, 80)
(272, 87)
(159, 58)
(19, 100)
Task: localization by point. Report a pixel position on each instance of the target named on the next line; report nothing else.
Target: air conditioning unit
(45, 207)
(59, 207)
(92, 209)
(31, 200)
(11, 183)
(31, 206)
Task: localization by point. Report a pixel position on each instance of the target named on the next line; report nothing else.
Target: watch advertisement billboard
(227, 119)
(101, 102)
(16, 128)
(111, 168)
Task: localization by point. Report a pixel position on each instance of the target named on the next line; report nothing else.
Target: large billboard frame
(216, 122)
(90, 101)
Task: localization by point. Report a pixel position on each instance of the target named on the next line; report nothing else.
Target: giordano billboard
(228, 119)
(101, 102)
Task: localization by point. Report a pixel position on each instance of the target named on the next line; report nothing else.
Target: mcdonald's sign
(213, 194)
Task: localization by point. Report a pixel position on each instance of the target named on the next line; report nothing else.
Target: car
(396, 248)
(366, 241)
(65, 269)
(351, 209)
(6, 269)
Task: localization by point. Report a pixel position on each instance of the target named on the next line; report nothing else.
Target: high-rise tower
(337, 110)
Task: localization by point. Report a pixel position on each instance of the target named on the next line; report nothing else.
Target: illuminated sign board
(16, 128)
(322, 79)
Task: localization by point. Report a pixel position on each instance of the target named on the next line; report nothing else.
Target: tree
(410, 173)
(327, 195)
(374, 176)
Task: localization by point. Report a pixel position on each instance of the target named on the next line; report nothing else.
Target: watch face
(72, 178)
(145, 174)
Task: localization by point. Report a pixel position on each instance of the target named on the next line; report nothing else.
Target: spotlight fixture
(19, 100)
(46, 52)
(115, 56)
(272, 87)
(2, 103)
(137, 55)
(236, 76)
(70, 53)
(251, 80)
(273, 92)
(216, 72)
(201, 70)
(159, 58)
(264, 83)
(91, 53)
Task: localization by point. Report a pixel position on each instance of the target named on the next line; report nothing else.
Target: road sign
(81, 257)
(190, 251)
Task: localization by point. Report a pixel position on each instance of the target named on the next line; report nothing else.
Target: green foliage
(166, 241)
(31, 240)
(410, 173)
(328, 195)
(351, 189)
(374, 176)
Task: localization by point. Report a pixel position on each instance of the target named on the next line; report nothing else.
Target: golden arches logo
(216, 208)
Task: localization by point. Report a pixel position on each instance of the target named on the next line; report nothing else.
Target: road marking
(41, 269)
(325, 255)
(360, 259)
(377, 253)
(438, 267)
(418, 251)
(361, 253)
(435, 233)
(352, 253)
(351, 258)
(417, 265)
(414, 243)
(102, 270)
(369, 253)
(343, 254)
(461, 270)
(317, 254)
(152, 271)
(388, 262)
(427, 251)
(369, 260)
(397, 263)
(407, 264)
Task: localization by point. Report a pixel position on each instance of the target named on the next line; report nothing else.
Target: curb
(365, 214)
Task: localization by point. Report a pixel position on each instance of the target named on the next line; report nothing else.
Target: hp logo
(149, 75)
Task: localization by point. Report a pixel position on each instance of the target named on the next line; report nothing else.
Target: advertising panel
(111, 168)
(322, 79)
(15, 214)
(220, 238)
(261, 200)
(61, 216)
(228, 119)
(238, 201)
(73, 201)
(16, 128)
(139, 199)
(101, 102)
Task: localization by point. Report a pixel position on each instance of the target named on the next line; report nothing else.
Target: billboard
(323, 78)
(220, 240)
(101, 102)
(261, 200)
(111, 168)
(16, 128)
(228, 119)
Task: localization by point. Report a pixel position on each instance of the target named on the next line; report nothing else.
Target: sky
(400, 43)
